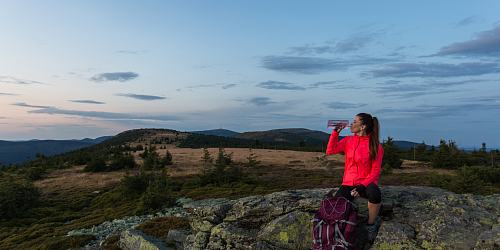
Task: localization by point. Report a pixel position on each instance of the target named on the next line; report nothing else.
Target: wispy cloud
(143, 97)
(314, 65)
(343, 105)
(487, 44)
(395, 89)
(116, 76)
(260, 101)
(22, 104)
(229, 86)
(351, 44)
(199, 86)
(431, 111)
(98, 114)
(14, 80)
(279, 85)
(131, 51)
(7, 94)
(87, 101)
(468, 21)
(401, 70)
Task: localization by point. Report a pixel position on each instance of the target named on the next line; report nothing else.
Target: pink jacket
(359, 169)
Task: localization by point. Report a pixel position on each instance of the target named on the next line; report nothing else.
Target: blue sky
(429, 70)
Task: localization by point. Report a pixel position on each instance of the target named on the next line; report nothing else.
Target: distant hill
(16, 152)
(277, 137)
(96, 140)
(217, 132)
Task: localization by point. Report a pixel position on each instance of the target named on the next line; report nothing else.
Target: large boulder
(132, 239)
(410, 218)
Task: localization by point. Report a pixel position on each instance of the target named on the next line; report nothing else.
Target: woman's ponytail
(374, 139)
(372, 128)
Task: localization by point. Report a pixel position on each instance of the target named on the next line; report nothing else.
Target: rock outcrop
(410, 218)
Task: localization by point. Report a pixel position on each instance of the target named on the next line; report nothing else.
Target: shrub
(16, 198)
(252, 160)
(157, 195)
(97, 164)
(35, 173)
(391, 154)
(224, 171)
(111, 243)
(446, 156)
(159, 227)
(69, 242)
(122, 161)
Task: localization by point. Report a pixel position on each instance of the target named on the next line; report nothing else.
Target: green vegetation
(159, 227)
(31, 218)
(224, 171)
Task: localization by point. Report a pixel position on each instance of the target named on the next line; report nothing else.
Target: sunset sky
(429, 70)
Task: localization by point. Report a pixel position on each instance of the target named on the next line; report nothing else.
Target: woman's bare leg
(373, 210)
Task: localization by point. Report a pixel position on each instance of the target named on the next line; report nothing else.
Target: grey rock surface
(410, 218)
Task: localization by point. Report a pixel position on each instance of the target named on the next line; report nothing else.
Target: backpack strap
(348, 222)
(339, 237)
(320, 233)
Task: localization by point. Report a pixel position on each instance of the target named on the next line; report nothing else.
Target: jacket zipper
(354, 159)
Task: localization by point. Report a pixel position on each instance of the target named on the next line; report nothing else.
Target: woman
(363, 160)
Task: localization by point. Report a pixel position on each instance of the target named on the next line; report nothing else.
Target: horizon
(342, 134)
(91, 69)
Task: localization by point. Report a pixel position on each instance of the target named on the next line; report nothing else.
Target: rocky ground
(410, 218)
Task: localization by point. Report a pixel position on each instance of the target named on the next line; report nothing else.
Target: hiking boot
(371, 232)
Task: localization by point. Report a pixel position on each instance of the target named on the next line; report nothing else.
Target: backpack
(333, 225)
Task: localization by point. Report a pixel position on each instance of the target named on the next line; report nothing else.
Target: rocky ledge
(410, 218)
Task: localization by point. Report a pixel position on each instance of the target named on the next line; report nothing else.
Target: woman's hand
(354, 193)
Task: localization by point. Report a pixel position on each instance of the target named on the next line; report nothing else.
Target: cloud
(403, 91)
(260, 101)
(14, 80)
(143, 97)
(87, 101)
(279, 85)
(117, 76)
(343, 105)
(486, 44)
(7, 94)
(131, 51)
(317, 84)
(314, 65)
(468, 21)
(98, 114)
(353, 43)
(400, 70)
(229, 86)
(22, 104)
(222, 85)
(356, 42)
(431, 111)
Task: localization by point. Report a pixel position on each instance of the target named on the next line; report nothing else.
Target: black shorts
(372, 193)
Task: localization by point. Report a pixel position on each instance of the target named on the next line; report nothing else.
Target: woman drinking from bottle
(363, 160)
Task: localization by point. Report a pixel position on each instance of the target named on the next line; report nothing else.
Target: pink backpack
(334, 225)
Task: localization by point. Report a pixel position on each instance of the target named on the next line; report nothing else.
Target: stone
(133, 239)
(290, 231)
(178, 237)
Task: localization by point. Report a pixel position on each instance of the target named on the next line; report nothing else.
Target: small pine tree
(252, 159)
(391, 154)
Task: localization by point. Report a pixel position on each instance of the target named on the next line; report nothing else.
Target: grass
(68, 193)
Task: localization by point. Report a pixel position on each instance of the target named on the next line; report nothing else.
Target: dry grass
(188, 162)
(70, 180)
(413, 167)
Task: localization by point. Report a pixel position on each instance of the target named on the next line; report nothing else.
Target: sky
(428, 70)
